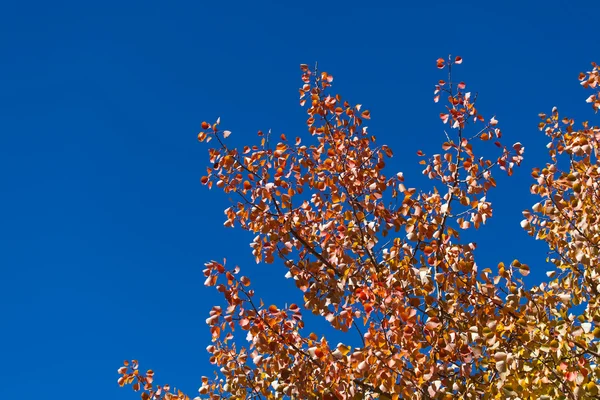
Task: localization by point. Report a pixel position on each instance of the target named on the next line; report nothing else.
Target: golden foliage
(363, 247)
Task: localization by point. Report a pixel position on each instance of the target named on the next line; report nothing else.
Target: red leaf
(458, 60)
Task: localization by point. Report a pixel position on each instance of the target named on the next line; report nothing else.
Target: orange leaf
(245, 281)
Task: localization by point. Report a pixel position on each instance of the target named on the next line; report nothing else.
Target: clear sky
(104, 224)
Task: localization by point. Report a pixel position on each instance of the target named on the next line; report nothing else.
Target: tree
(386, 263)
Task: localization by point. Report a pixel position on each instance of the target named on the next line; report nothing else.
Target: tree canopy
(386, 262)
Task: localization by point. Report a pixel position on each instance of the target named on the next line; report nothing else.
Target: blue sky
(105, 226)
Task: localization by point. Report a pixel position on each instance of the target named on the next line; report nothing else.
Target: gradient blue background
(104, 224)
